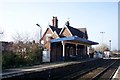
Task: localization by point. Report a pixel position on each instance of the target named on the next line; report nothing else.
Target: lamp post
(102, 36)
(110, 44)
(40, 33)
(1, 33)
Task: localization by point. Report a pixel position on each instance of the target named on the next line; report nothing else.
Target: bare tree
(21, 43)
(22, 52)
(1, 34)
(102, 47)
(24, 37)
(23, 46)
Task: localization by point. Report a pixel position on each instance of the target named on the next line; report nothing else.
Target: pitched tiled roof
(80, 32)
(84, 30)
(76, 32)
(74, 38)
(55, 29)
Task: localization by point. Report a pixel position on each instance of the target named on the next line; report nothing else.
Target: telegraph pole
(1, 44)
(1, 55)
(110, 44)
(102, 36)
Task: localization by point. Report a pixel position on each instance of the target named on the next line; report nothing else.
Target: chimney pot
(55, 21)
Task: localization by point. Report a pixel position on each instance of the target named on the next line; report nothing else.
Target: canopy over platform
(74, 38)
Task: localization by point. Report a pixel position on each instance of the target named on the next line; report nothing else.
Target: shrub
(35, 57)
(11, 60)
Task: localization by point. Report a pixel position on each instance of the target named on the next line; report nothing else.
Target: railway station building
(67, 43)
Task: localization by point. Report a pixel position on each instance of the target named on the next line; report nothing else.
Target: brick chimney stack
(55, 21)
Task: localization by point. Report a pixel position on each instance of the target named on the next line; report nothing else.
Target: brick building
(5, 46)
(67, 43)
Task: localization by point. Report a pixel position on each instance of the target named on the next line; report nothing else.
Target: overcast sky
(21, 17)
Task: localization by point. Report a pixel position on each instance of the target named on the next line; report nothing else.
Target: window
(48, 36)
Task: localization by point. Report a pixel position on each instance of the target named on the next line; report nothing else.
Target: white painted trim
(56, 34)
(76, 43)
(63, 30)
(53, 32)
(48, 35)
(69, 31)
(50, 29)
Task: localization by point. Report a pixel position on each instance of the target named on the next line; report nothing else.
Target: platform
(21, 71)
(117, 74)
